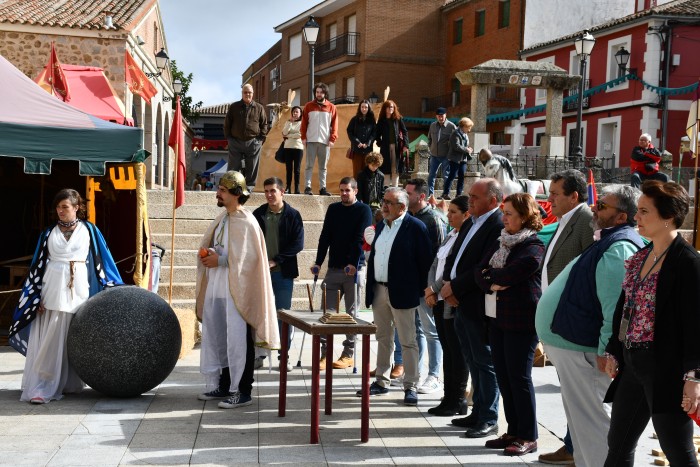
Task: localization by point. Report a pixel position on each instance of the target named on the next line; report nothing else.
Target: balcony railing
(429, 104)
(573, 105)
(345, 44)
(344, 100)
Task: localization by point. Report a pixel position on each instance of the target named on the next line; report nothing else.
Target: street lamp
(311, 29)
(373, 98)
(177, 89)
(162, 60)
(622, 57)
(584, 45)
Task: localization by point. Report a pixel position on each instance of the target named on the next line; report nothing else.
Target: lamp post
(311, 29)
(584, 45)
(177, 89)
(373, 98)
(162, 60)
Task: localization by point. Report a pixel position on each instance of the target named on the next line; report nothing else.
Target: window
(295, 46)
(457, 31)
(331, 91)
(456, 88)
(613, 70)
(480, 23)
(332, 32)
(350, 87)
(503, 14)
(541, 93)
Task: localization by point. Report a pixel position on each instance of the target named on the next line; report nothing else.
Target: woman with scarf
(392, 138)
(509, 275)
(71, 263)
(454, 370)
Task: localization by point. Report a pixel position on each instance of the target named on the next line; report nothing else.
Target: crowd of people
(613, 296)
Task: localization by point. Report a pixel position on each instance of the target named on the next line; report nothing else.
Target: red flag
(592, 192)
(52, 79)
(136, 80)
(177, 142)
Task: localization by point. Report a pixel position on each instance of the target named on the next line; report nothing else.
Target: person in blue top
(574, 320)
(71, 263)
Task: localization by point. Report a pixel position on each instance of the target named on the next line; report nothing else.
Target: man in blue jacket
(397, 273)
(283, 229)
(574, 320)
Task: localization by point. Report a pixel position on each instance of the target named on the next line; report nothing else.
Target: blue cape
(102, 273)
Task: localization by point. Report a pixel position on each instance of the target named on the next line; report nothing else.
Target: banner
(52, 79)
(177, 142)
(136, 80)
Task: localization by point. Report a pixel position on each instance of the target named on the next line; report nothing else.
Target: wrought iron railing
(345, 44)
(573, 105)
(344, 100)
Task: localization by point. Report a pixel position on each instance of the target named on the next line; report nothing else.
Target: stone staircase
(192, 220)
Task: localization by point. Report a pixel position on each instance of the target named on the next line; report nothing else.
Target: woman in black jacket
(361, 135)
(392, 138)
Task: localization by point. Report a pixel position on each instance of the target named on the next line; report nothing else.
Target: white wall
(546, 20)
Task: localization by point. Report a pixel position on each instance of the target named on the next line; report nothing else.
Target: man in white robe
(234, 297)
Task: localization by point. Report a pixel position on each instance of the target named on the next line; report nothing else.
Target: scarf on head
(508, 241)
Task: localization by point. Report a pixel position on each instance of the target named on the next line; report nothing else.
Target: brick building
(96, 34)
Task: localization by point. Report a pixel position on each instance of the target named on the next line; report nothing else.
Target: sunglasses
(600, 205)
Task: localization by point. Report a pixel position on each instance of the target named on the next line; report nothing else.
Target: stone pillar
(480, 107)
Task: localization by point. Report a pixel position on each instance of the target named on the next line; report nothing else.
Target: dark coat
(382, 136)
(291, 238)
(409, 262)
(516, 305)
(677, 321)
(464, 286)
(366, 179)
(361, 130)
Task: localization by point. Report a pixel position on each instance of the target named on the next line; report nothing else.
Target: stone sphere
(124, 341)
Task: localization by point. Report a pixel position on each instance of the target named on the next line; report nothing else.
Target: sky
(216, 40)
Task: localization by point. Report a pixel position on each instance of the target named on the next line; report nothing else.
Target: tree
(190, 110)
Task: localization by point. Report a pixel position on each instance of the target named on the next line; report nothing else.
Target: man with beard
(342, 236)
(574, 321)
(234, 298)
(319, 130)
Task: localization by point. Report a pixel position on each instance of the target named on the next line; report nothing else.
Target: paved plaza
(169, 426)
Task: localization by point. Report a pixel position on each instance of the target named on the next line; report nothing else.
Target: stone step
(202, 205)
(189, 233)
(184, 292)
(185, 265)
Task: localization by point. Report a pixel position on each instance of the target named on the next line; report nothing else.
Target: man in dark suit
(397, 273)
(477, 235)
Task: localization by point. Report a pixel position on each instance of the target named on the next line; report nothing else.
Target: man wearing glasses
(245, 128)
(397, 273)
(574, 320)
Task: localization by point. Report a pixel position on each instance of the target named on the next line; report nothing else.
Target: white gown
(47, 373)
(223, 328)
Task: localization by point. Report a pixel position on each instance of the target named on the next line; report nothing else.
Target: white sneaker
(289, 366)
(430, 385)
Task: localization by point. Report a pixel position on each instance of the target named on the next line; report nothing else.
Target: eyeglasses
(600, 205)
(390, 203)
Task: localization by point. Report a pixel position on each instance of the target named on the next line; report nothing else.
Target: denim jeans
(420, 340)
(433, 166)
(631, 412)
(427, 324)
(283, 287)
(471, 332)
(457, 169)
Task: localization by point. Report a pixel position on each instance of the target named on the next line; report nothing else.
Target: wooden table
(308, 322)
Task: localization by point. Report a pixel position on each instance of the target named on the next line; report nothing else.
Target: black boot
(444, 402)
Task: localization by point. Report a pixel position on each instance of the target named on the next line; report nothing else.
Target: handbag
(348, 153)
(279, 155)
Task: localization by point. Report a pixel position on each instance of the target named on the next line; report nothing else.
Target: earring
(666, 224)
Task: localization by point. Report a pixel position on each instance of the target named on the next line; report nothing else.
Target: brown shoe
(559, 457)
(322, 364)
(373, 373)
(343, 362)
(396, 371)
(520, 448)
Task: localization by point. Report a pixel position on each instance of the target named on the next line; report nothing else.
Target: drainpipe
(668, 30)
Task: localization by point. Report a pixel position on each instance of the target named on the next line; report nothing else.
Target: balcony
(429, 104)
(344, 45)
(573, 105)
(344, 100)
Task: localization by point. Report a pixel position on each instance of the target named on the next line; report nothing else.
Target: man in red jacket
(644, 162)
(319, 130)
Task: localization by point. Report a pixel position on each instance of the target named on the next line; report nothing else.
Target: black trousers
(292, 158)
(245, 386)
(454, 369)
(631, 412)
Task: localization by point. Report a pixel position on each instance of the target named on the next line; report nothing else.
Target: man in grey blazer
(568, 194)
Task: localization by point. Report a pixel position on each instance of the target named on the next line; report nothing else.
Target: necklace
(68, 224)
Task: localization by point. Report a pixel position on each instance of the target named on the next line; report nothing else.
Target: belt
(385, 284)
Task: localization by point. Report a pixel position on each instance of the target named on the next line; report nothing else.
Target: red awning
(92, 93)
